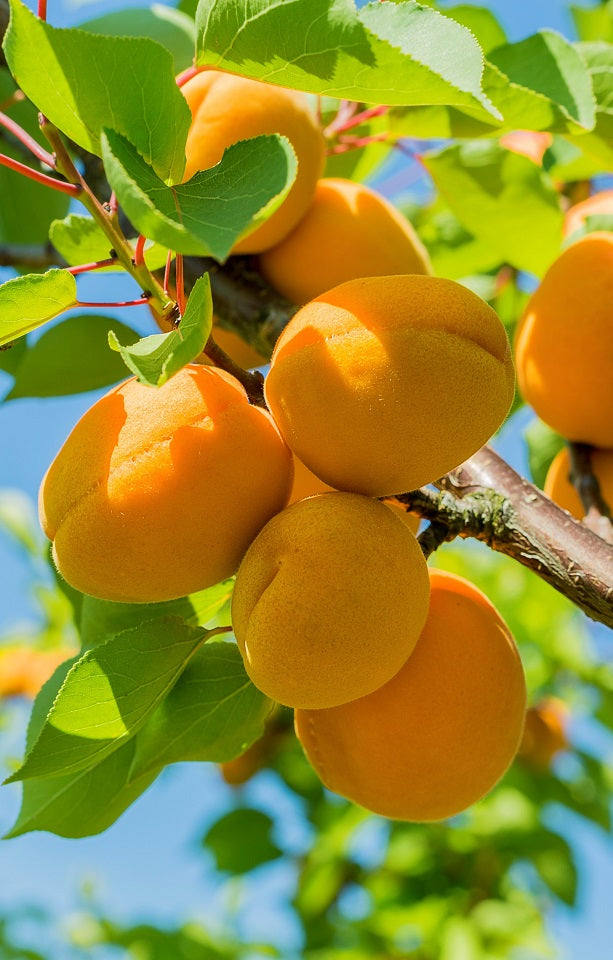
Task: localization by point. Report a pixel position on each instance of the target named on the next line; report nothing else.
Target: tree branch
(486, 499)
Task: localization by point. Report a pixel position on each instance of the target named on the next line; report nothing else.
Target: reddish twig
(139, 251)
(116, 303)
(24, 137)
(73, 189)
(187, 75)
(42, 9)
(358, 118)
(96, 265)
(356, 143)
(180, 294)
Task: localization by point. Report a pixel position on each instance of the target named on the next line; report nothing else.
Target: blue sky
(147, 866)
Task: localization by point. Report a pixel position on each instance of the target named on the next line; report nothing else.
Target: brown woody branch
(486, 499)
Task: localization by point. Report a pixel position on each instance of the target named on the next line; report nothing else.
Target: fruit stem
(357, 119)
(597, 510)
(252, 382)
(433, 537)
(24, 137)
(187, 75)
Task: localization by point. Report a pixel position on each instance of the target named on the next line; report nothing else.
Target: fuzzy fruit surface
(329, 600)
(564, 344)
(442, 732)
(383, 384)
(561, 490)
(157, 493)
(227, 108)
(349, 231)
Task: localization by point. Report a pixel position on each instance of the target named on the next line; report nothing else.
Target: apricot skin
(385, 383)
(564, 344)
(560, 489)
(24, 670)
(442, 732)
(598, 205)
(349, 231)
(227, 108)
(544, 733)
(329, 600)
(157, 493)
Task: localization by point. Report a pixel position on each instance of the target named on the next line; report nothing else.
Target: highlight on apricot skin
(564, 344)
(329, 600)
(383, 384)
(157, 493)
(349, 231)
(560, 489)
(544, 733)
(441, 733)
(227, 108)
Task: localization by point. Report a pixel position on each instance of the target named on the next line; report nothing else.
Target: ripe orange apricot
(544, 733)
(598, 205)
(157, 493)
(385, 383)
(306, 484)
(23, 669)
(349, 231)
(528, 143)
(329, 600)
(561, 490)
(442, 732)
(564, 344)
(227, 108)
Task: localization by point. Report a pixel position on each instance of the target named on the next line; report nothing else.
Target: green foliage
(156, 358)
(543, 444)
(396, 54)
(209, 213)
(80, 240)
(240, 841)
(29, 301)
(173, 29)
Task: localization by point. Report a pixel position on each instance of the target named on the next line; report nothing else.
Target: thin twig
(597, 511)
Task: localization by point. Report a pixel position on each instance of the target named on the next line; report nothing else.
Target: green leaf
(18, 518)
(556, 867)
(543, 445)
(81, 804)
(72, 357)
(454, 252)
(565, 160)
(25, 220)
(499, 196)
(595, 23)
(598, 144)
(213, 712)
(29, 301)
(108, 695)
(156, 358)
(132, 88)
(547, 77)
(101, 619)
(172, 29)
(384, 53)
(79, 240)
(12, 355)
(240, 841)
(206, 215)
(481, 22)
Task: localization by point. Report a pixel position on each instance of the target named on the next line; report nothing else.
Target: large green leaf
(101, 619)
(384, 53)
(108, 695)
(598, 143)
(173, 29)
(72, 357)
(29, 301)
(79, 804)
(32, 207)
(206, 215)
(481, 22)
(156, 358)
(214, 712)
(499, 196)
(84, 82)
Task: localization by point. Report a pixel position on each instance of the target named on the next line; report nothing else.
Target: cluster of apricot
(408, 688)
(564, 354)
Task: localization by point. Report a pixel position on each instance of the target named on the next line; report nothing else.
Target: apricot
(157, 493)
(439, 734)
(23, 669)
(598, 205)
(559, 487)
(227, 108)
(306, 484)
(564, 344)
(544, 733)
(329, 600)
(349, 231)
(528, 143)
(383, 384)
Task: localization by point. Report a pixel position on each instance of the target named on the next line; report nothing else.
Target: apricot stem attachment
(597, 510)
